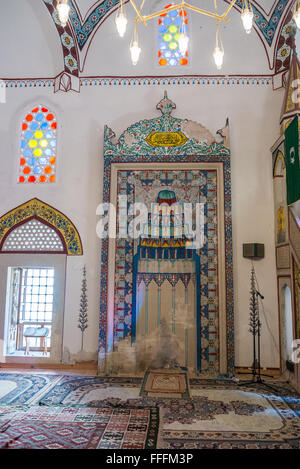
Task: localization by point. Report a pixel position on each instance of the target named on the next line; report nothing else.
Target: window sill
(32, 354)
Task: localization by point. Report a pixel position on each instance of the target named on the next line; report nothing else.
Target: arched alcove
(287, 323)
(286, 320)
(279, 186)
(33, 278)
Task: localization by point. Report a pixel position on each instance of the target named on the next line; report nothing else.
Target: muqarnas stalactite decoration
(83, 310)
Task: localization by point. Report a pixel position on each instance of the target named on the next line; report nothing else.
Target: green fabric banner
(292, 162)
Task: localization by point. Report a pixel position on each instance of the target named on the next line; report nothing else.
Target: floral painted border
(35, 208)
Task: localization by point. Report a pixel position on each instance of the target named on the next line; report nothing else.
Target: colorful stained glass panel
(170, 26)
(38, 147)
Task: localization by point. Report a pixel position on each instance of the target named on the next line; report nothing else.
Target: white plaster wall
(85, 6)
(30, 45)
(253, 111)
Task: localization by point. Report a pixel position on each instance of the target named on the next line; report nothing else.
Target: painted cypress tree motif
(83, 316)
(254, 318)
(253, 305)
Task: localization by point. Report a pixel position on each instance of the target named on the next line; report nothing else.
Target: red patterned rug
(40, 427)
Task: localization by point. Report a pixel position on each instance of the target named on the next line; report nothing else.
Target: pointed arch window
(37, 227)
(170, 26)
(38, 147)
(33, 236)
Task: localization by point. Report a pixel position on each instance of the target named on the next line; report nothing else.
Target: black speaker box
(253, 251)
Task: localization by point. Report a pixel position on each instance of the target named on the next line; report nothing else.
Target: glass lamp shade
(218, 57)
(247, 19)
(121, 22)
(183, 42)
(63, 9)
(135, 51)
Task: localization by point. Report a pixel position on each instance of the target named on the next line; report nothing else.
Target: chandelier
(63, 9)
(183, 39)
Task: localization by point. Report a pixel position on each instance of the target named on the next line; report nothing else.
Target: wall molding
(172, 80)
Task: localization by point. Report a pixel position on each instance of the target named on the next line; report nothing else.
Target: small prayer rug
(42, 427)
(165, 383)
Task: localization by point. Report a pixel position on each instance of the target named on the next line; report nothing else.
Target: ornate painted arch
(285, 45)
(47, 215)
(68, 41)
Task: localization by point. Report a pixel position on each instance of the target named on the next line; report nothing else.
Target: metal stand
(255, 329)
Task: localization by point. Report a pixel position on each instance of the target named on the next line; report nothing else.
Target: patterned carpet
(82, 390)
(18, 388)
(38, 427)
(231, 419)
(98, 412)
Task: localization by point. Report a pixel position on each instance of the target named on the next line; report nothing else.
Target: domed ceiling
(89, 46)
(87, 16)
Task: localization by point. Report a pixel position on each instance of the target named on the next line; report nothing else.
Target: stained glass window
(38, 147)
(170, 26)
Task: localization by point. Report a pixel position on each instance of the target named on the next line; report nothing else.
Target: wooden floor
(90, 369)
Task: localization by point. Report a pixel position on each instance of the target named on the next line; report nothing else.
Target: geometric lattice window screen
(33, 236)
(38, 147)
